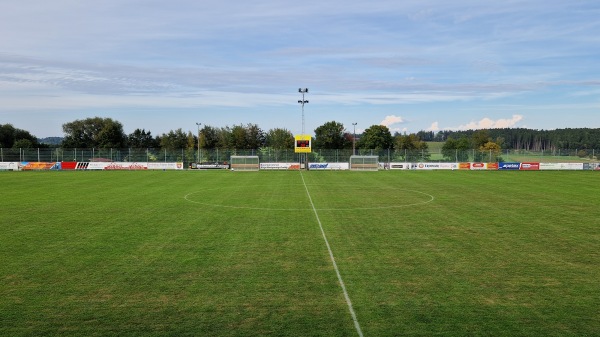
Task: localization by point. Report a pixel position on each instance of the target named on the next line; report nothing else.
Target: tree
(279, 139)
(94, 133)
(12, 137)
(209, 137)
(141, 139)
(411, 148)
(376, 137)
(480, 138)
(456, 150)
(331, 135)
(174, 140)
(255, 136)
(224, 138)
(238, 137)
(23, 144)
(489, 151)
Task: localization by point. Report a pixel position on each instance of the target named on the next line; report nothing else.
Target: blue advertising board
(509, 166)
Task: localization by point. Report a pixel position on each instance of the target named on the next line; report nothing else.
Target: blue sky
(411, 65)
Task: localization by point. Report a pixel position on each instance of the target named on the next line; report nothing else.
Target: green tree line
(527, 139)
(99, 132)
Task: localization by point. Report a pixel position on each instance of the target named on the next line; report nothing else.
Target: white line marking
(337, 271)
(431, 198)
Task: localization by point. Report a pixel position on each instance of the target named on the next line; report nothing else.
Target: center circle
(295, 197)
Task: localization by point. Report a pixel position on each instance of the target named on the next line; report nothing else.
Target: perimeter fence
(188, 156)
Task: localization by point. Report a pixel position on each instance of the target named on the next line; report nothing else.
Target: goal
(244, 163)
(364, 163)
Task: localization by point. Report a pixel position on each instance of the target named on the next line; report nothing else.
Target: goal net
(364, 163)
(244, 163)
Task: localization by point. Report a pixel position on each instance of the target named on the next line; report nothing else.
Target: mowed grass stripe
(332, 257)
(123, 253)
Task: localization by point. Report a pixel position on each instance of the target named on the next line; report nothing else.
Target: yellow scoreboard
(302, 144)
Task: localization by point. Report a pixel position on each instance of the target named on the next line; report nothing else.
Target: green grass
(241, 253)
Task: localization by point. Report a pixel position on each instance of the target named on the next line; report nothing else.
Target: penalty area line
(335, 267)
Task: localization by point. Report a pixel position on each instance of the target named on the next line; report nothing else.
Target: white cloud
(391, 120)
(434, 127)
(487, 123)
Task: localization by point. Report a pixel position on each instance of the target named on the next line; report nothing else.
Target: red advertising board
(464, 166)
(68, 165)
(530, 166)
(492, 166)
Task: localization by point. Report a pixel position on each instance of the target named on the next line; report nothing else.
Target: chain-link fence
(188, 156)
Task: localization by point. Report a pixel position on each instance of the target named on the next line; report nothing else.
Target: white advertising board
(328, 166)
(478, 166)
(116, 166)
(279, 166)
(434, 166)
(10, 166)
(561, 166)
(165, 166)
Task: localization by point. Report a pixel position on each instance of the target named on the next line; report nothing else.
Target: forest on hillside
(526, 139)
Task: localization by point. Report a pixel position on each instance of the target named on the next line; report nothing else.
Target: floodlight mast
(198, 159)
(354, 139)
(303, 101)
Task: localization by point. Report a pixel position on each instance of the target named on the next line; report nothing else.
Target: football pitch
(221, 253)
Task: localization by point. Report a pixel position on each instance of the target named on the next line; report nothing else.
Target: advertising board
(211, 166)
(509, 166)
(126, 166)
(68, 165)
(112, 166)
(530, 166)
(492, 166)
(399, 166)
(165, 166)
(328, 166)
(434, 166)
(591, 166)
(34, 165)
(279, 166)
(464, 166)
(478, 166)
(562, 166)
(10, 166)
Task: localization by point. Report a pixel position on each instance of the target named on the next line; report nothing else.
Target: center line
(337, 271)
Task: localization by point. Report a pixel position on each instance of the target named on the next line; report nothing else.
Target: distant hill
(50, 140)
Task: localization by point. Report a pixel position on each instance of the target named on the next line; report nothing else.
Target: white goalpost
(244, 163)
